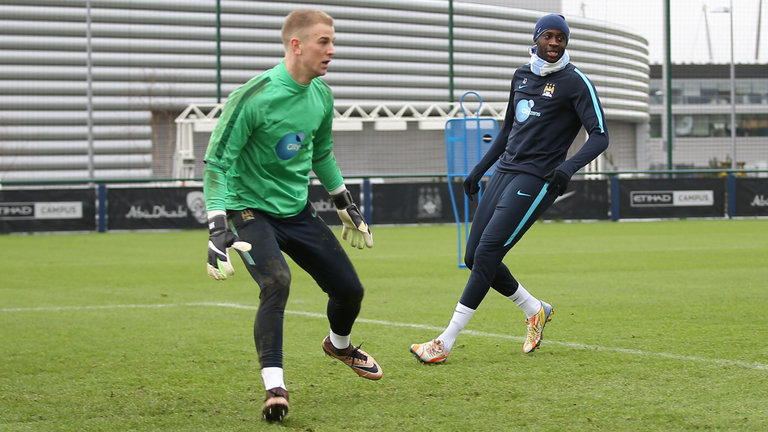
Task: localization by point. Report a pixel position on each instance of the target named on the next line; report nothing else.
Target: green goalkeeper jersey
(271, 133)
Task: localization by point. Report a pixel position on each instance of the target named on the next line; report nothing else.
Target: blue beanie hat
(551, 22)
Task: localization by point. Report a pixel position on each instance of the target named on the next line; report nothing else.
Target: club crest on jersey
(549, 90)
(247, 215)
(289, 145)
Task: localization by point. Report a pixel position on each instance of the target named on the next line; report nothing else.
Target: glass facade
(711, 92)
(712, 125)
(706, 93)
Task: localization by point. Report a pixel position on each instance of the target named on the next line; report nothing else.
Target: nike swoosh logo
(565, 196)
(522, 86)
(521, 193)
(370, 369)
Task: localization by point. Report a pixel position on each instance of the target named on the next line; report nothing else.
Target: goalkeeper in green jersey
(272, 131)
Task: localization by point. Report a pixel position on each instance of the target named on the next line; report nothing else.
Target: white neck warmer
(542, 67)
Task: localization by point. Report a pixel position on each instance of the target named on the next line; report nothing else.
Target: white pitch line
(574, 345)
(93, 307)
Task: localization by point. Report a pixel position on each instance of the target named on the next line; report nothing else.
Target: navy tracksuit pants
(510, 204)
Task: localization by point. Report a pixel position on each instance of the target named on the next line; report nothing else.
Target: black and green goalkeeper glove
(353, 224)
(219, 241)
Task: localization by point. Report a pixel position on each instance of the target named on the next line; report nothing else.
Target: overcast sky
(689, 29)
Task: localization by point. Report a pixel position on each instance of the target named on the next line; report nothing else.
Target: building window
(752, 125)
(711, 91)
(719, 125)
(655, 126)
(712, 125)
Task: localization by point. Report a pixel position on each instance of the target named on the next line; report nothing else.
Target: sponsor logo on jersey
(523, 110)
(289, 145)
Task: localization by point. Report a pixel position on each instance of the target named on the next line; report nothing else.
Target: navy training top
(544, 115)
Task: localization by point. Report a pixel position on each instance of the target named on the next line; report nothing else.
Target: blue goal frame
(467, 139)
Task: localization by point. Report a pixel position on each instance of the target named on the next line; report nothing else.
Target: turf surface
(658, 326)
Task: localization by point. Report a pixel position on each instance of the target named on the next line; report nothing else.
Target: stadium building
(114, 89)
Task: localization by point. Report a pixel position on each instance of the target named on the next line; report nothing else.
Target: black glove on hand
(472, 184)
(352, 221)
(558, 181)
(219, 241)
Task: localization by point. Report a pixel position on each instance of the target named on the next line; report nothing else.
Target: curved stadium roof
(150, 56)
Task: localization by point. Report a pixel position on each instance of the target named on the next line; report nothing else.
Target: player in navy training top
(549, 102)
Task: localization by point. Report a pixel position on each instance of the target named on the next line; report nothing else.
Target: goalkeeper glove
(558, 181)
(353, 224)
(219, 241)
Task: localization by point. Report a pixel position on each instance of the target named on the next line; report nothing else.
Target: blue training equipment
(467, 139)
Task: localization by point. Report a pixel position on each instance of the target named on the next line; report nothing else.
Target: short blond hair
(299, 20)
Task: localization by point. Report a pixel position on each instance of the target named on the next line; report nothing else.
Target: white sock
(460, 318)
(339, 342)
(528, 303)
(273, 377)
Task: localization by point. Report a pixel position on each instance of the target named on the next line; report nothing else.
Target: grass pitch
(657, 326)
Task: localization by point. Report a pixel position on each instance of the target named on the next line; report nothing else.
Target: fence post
(367, 201)
(615, 198)
(731, 194)
(102, 202)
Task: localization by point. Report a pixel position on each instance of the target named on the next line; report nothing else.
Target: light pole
(733, 95)
(729, 11)
(667, 72)
(89, 88)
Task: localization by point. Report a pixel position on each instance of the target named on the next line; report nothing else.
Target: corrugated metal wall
(151, 58)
